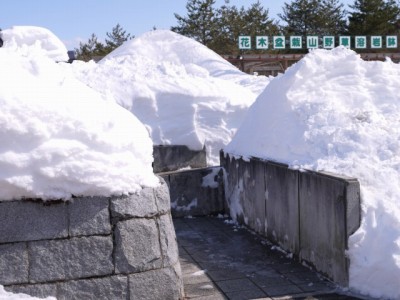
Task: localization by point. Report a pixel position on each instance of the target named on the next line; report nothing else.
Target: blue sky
(75, 20)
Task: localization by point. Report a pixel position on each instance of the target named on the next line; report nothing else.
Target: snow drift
(183, 92)
(334, 112)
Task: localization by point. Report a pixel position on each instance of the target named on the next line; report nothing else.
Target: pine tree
(332, 18)
(90, 49)
(116, 38)
(230, 21)
(257, 22)
(302, 17)
(200, 23)
(374, 17)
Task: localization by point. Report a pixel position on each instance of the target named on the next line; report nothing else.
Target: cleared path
(223, 261)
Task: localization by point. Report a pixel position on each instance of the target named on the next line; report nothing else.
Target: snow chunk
(37, 40)
(11, 296)
(60, 138)
(334, 112)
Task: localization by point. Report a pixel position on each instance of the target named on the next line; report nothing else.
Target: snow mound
(182, 91)
(332, 111)
(32, 39)
(60, 138)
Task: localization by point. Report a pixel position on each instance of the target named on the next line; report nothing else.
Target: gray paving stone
(14, 263)
(216, 296)
(282, 290)
(22, 221)
(142, 204)
(203, 289)
(34, 290)
(137, 246)
(70, 259)
(191, 268)
(196, 277)
(245, 295)
(225, 274)
(115, 287)
(163, 283)
(263, 273)
(235, 285)
(89, 216)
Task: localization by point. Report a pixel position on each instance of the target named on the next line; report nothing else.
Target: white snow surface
(61, 138)
(11, 296)
(334, 112)
(34, 40)
(183, 92)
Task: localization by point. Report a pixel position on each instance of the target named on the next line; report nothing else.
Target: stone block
(34, 290)
(22, 221)
(196, 192)
(162, 196)
(323, 223)
(164, 284)
(233, 185)
(137, 246)
(13, 263)
(169, 246)
(89, 216)
(252, 198)
(174, 157)
(142, 204)
(70, 259)
(115, 287)
(282, 208)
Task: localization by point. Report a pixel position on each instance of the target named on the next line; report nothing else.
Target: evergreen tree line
(93, 47)
(219, 28)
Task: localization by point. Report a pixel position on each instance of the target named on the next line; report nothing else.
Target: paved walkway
(221, 261)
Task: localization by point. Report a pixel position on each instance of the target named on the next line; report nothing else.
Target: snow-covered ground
(183, 92)
(332, 111)
(62, 133)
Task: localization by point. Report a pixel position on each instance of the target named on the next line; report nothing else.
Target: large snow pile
(32, 39)
(60, 138)
(182, 91)
(332, 111)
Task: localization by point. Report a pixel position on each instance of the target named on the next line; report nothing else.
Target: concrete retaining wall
(91, 248)
(198, 192)
(174, 157)
(307, 213)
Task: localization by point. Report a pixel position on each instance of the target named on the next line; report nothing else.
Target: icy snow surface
(332, 111)
(184, 93)
(32, 39)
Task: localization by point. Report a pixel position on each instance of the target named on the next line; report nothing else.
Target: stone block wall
(309, 214)
(197, 192)
(91, 248)
(174, 157)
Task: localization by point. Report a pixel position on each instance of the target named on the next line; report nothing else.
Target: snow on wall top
(60, 138)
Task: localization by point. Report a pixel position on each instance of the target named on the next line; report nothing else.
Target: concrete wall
(307, 213)
(175, 157)
(91, 248)
(198, 192)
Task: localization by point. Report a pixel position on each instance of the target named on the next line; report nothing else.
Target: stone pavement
(223, 261)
